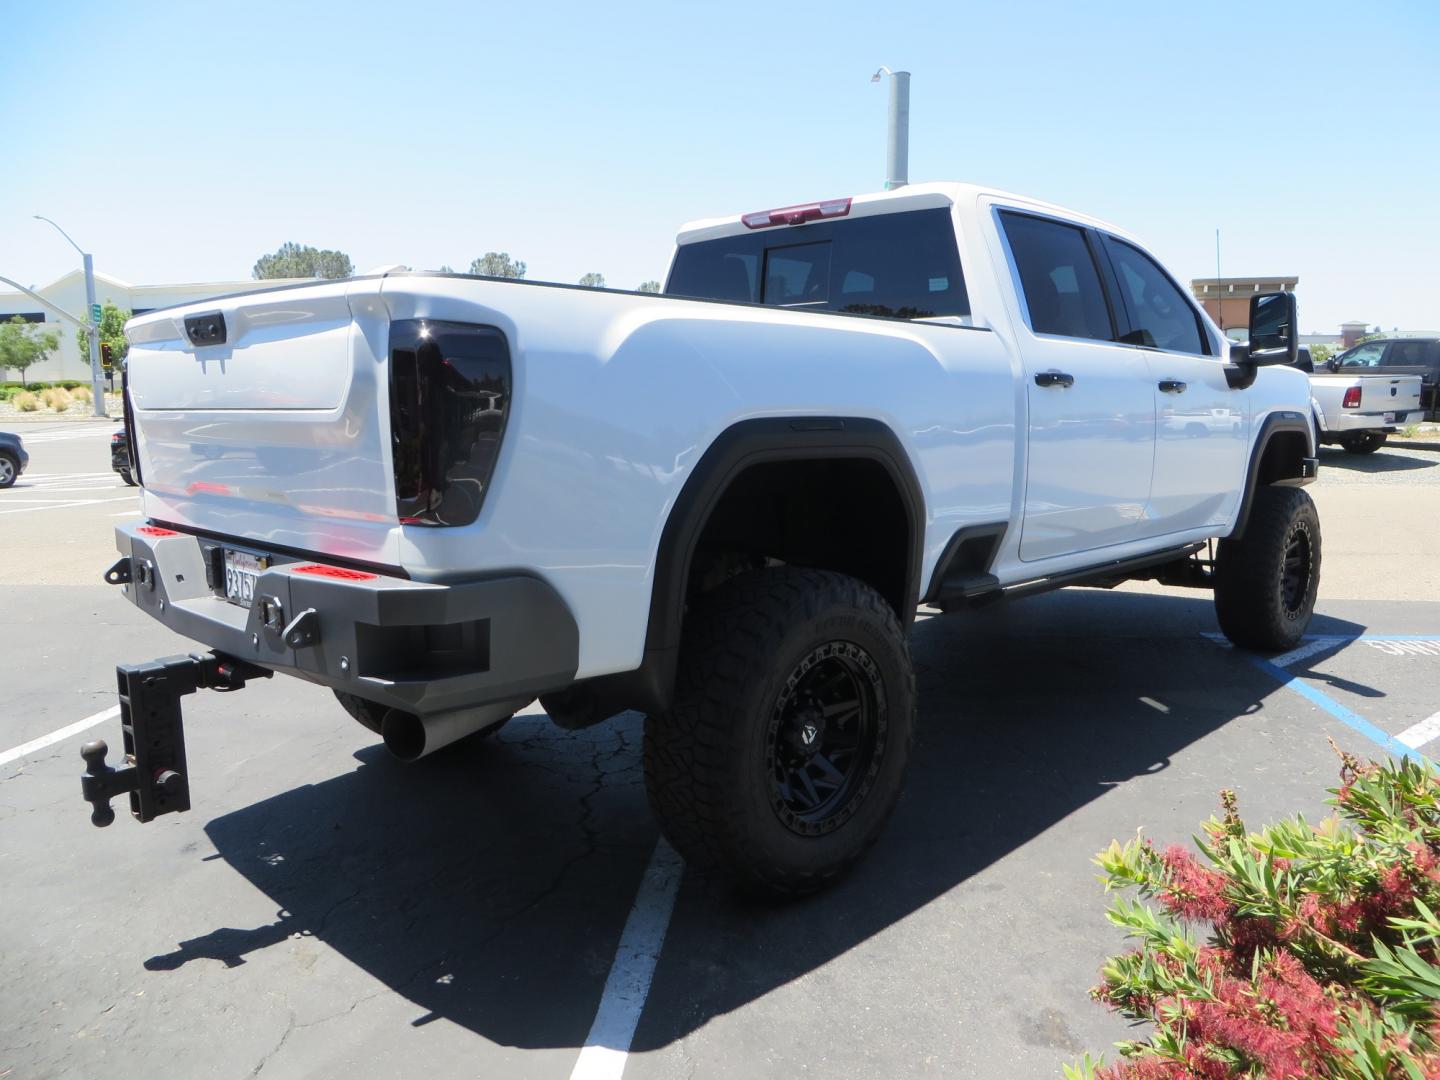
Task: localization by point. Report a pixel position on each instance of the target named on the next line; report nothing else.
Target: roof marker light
(798, 214)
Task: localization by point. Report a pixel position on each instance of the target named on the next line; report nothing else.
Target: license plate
(1389, 418)
(242, 570)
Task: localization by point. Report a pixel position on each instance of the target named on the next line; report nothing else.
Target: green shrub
(1320, 959)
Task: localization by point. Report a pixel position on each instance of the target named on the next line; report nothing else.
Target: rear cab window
(902, 265)
(1059, 277)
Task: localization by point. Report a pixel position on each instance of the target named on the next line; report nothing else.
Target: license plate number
(242, 570)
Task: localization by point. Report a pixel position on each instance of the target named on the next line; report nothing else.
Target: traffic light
(105, 356)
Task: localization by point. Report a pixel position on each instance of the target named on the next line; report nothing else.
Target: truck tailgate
(277, 432)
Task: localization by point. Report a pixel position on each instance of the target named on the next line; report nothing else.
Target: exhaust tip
(404, 734)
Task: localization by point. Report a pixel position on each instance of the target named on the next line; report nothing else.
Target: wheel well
(1283, 457)
(841, 514)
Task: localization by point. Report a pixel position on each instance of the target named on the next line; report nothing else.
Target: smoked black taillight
(449, 397)
(132, 447)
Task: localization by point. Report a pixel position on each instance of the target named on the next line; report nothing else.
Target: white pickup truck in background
(1359, 408)
(443, 496)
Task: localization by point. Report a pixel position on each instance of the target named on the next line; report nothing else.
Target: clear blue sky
(180, 142)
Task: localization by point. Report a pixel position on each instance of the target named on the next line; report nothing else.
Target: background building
(1228, 299)
(69, 293)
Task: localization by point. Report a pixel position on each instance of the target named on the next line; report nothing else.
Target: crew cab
(443, 496)
(1358, 408)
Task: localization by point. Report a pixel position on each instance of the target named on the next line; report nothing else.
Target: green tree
(593, 280)
(648, 286)
(22, 347)
(296, 260)
(1321, 354)
(445, 268)
(112, 332)
(498, 264)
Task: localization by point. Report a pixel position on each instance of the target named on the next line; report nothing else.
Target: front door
(1200, 435)
(1091, 403)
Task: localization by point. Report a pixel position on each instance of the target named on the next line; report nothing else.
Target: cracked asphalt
(323, 911)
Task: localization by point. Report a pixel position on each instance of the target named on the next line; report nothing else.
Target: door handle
(1172, 386)
(1054, 378)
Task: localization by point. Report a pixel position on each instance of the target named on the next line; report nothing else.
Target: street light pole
(92, 328)
(897, 150)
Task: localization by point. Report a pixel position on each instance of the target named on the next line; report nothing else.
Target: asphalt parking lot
(324, 911)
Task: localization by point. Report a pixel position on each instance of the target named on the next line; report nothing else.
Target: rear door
(1091, 404)
(1201, 423)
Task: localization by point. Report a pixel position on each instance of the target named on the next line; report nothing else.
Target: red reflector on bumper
(337, 572)
(155, 530)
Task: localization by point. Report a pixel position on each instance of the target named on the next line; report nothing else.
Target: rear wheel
(128, 477)
(1366, 443)
(784, 751)
(1266, 581)
(9, 470)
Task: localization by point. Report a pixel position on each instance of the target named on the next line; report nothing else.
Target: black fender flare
(1274, 424)
(737, 448)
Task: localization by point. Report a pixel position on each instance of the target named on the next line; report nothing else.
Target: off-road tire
(1366, 443)
(712, 769)
(369, 715)
(1258, 601)
(9, 469)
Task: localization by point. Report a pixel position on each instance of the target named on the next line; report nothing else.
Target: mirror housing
(1274, 339)
(1274, 335)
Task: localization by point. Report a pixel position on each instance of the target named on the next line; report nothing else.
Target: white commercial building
(68, 292)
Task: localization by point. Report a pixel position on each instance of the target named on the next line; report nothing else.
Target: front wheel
(1366, 443)
(1266, 581)
(784, 750)
(9, 470)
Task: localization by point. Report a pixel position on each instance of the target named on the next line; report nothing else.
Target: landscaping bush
(1321, 953)
(57, 399)
(82, 393)
(25, 401)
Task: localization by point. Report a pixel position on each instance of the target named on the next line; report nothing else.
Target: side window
(1058, 277)
(1405, 354)
(1160, 316)
(1367, 355)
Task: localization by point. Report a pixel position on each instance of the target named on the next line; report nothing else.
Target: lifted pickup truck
(1358, 408)
(443, 496)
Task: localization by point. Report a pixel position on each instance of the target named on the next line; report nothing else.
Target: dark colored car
(1399, 356)
(13, 458)
(120, 456)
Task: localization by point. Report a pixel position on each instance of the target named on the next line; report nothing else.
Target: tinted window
(1159, 315)
(898, 265)
(1059, 278)
(1406, 354)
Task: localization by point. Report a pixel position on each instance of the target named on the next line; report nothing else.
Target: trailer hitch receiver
(154, 774)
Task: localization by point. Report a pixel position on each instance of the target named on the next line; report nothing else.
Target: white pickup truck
(443, 496)
(1359, 408)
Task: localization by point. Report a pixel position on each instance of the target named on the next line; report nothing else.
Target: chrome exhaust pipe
(410, 737)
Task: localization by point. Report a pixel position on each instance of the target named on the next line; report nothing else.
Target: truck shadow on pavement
(1380, 461)
(489, 885)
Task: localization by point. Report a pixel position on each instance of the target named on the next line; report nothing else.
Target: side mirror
(1333, 363)
(1274, 338)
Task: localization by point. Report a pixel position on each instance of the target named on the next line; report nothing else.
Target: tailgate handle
(206, 329)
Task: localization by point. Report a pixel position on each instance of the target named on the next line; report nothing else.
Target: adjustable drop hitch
(154, 772)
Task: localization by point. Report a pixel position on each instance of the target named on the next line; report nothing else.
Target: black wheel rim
(1295, 572)
(826, 738)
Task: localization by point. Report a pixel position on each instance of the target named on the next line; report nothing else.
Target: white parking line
(25, 749)
(607, 1047)
(1421, 733)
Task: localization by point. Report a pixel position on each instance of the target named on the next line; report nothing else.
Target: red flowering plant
(1321, 947)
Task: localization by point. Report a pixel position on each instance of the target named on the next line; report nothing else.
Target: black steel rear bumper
(409, 645)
